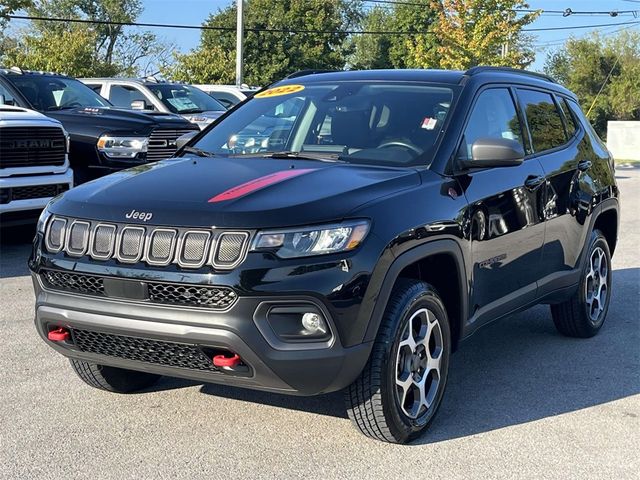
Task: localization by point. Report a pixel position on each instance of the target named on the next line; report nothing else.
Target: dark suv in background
(103, 139)
(387, 217)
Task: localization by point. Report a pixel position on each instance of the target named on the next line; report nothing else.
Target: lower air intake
(157, 352)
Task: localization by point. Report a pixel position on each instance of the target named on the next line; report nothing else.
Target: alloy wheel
(596, 288)
(418, 363)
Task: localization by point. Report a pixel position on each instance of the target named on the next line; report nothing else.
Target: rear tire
(398, 393)
(112, 379)
(584, 313)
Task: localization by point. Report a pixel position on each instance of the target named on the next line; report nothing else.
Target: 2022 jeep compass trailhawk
(339, 230)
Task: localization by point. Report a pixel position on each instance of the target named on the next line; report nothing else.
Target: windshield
(358, 122)
(46, 93)
(185, 98)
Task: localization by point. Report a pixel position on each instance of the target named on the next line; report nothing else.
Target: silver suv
(158, 95)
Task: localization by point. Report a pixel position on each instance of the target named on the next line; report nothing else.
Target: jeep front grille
(203, 296)
(162, 143)
(32, 146)
(157, 246)
(158, 352)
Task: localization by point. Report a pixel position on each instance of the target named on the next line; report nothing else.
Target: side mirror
(184, 139)
(2, 100)
(138, 105)
(496, 152)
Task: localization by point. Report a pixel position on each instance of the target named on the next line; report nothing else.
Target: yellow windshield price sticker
(277, 91)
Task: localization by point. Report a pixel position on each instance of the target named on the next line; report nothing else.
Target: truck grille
(204, 296)
(27, 193)
(156, 246)
(32, 146)
(158, 352)
(162, 143)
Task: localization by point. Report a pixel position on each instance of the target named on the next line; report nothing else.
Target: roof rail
(486, 68)
(302, 73)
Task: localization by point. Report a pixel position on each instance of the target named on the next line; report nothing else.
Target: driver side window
(494, 116)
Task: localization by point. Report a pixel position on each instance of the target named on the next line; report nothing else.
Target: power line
(566, 12)
(281, 30)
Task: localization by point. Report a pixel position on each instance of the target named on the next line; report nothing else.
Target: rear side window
(494, 116)
(543, 117)
(570, 122)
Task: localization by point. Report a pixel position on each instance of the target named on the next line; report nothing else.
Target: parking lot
(522, 401)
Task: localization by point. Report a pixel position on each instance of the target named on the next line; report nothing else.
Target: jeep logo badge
(136, 215)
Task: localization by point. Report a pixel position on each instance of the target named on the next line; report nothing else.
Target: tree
(84, 49)
(393, 50)
(609, 65)
(8, 7)
(272, 55)
(475, 32)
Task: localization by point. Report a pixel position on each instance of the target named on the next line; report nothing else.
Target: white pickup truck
(34, 166)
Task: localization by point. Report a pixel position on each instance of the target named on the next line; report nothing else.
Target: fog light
(313, 324)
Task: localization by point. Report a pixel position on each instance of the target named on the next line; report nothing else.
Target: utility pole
(239, 41)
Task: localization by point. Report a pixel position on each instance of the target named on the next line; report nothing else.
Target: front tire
(112, 379)
(584, 313)
(398, 393)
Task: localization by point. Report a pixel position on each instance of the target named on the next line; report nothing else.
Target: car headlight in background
(308, 241)
(122, 147)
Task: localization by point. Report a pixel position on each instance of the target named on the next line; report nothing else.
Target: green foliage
(474, 32)
(583, 65)
(7, 7)
(389, 50)
(84, 49)
(272, 55)
(205, 65)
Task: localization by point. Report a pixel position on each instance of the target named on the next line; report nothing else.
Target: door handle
(584, 165)
(533, 182)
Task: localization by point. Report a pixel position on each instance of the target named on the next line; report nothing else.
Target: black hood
(117, 121)
(234, 192)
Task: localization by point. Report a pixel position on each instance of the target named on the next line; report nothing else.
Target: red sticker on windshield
(259, 183)
(429, 123)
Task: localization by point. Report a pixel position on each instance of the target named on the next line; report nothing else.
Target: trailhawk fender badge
(258, 184)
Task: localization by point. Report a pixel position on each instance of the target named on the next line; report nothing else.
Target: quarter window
(543, 117)
(569, 121)
(494, 116)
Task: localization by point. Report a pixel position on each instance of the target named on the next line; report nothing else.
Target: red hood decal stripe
(259, 183)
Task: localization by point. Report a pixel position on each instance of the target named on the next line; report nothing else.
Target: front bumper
(65, 178)
(299, 371)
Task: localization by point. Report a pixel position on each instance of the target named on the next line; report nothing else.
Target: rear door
(504, 215)
(555, 142)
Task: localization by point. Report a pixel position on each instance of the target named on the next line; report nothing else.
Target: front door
(504, 214)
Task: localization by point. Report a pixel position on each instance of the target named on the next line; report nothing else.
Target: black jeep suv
(337, 231)
(103, 139)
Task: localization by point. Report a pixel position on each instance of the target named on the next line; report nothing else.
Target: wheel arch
(607, 222)
(439, 263)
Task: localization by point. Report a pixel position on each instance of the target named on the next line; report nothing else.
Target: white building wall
(623, 139)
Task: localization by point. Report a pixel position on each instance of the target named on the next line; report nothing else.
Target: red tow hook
(59, 335)
(229, 362)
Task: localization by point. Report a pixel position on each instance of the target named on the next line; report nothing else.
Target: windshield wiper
(198, 151)
(323, 157)
(191, 110)
(63, 107)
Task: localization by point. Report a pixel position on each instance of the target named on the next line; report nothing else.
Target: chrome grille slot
(157, 246)
(104, 237)
(161, 246)
(193, 249)
(77, 238)
(130, 244)
(54, 240)
(231, 246)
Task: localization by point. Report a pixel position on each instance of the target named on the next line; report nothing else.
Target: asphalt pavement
(522, 402)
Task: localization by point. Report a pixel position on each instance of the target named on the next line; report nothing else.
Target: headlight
(43, 219)
(122, 147)
(307, 241)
